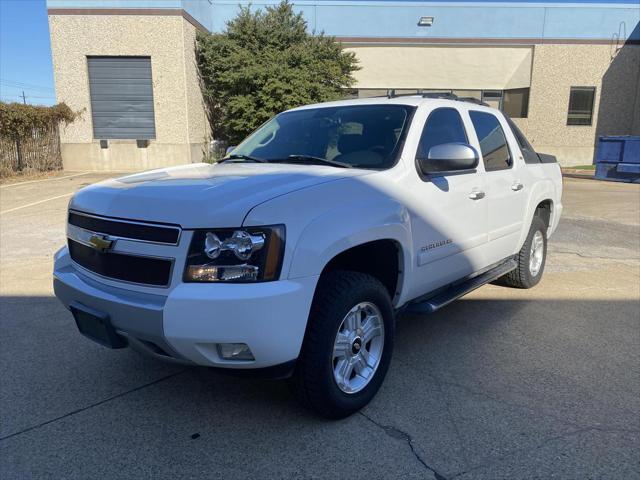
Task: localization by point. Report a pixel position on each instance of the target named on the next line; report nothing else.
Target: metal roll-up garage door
(121, 97)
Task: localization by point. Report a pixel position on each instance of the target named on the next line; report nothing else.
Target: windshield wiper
(247, 158)
(312, 159)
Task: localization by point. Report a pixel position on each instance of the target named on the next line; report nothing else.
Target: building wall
(442, 67)
(550, 70)
(198, 131)
(498, 45)
(199, 10)
(556, 68)
(181, 127)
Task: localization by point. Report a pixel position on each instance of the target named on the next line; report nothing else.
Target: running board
(454, 292)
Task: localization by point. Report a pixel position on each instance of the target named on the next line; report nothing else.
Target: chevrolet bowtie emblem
(100, 242)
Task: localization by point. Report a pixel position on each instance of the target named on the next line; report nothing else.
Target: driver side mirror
(449, 158)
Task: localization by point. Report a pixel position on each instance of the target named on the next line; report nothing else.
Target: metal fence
(39, 152)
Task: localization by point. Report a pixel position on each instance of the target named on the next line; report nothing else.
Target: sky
(25, 50)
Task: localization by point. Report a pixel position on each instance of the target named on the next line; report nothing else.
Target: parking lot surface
(504, 383)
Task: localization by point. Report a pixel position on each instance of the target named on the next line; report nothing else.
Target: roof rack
(473, 100)
(444, 95)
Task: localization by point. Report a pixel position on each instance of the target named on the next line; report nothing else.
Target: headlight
(252, 254)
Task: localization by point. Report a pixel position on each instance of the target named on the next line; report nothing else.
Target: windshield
(362, 136)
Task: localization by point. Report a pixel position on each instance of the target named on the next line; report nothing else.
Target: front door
(449, 212)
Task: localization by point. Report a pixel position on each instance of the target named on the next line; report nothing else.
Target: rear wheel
(531, 258)
(347, 346)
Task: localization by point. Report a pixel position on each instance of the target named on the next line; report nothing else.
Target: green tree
(266, 62)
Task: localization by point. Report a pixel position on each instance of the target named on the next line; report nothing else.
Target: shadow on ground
(482, 389)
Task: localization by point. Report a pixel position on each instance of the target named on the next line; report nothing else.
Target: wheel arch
(388, 266)
(544, 210)
(540, 203)
(372, 233)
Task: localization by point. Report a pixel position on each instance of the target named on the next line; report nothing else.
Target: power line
(12, 83)
(27, 84)
(23, 96)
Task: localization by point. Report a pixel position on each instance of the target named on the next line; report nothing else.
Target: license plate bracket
(96, 326)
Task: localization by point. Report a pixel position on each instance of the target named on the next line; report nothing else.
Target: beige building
(531, 83)
(565, 74)
(181, 126)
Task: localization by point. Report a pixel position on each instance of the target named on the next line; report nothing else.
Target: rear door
(505, 189)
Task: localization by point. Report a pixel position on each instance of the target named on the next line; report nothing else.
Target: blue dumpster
(618, 159)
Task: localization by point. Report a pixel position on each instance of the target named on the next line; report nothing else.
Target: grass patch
(583, 167)
(29, 174)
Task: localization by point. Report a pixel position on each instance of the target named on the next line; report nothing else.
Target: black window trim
(529, 154)
(594, 89)
(424, 177)
(506, 140)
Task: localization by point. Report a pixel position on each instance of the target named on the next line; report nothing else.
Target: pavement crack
(93, 405)
(515, 404)
(398, 434)
(447, 403)
(591, 257)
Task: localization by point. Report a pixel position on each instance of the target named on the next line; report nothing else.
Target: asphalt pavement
(502, 384)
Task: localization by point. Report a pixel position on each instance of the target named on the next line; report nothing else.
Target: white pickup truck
(294, 255)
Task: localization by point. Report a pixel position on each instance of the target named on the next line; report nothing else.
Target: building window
(581, 105)
(477, 94)
(121, 98)
(515, 103)
(372, 92)
(493, 98)
(493, 142)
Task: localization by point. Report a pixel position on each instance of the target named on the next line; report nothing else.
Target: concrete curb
(574, 173)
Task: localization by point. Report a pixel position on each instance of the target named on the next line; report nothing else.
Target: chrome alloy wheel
(536, 255)
(357, 349)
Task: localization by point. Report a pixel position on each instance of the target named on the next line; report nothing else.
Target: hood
(201, 195)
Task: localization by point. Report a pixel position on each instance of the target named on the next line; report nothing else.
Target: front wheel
(531, 258)
(347, 346)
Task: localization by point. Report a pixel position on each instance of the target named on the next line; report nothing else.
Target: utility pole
(24, 99)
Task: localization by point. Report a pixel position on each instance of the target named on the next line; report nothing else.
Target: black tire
(313, 380)
(521, 277)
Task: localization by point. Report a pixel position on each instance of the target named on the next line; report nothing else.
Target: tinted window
(521, 139)
(528, 152)
(581, 105)
(493, 143)
(365, 136)
(444, 125)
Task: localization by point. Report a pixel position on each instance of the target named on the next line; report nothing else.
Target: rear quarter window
(528, 152)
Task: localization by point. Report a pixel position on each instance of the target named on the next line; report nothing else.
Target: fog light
(235, 351)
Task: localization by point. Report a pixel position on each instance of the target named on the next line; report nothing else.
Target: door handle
(476, 195)
(517, 186)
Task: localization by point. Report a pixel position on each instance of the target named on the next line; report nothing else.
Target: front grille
(124, 267)
(127, 229)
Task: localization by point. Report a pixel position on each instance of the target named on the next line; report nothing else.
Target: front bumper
(186, 323)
